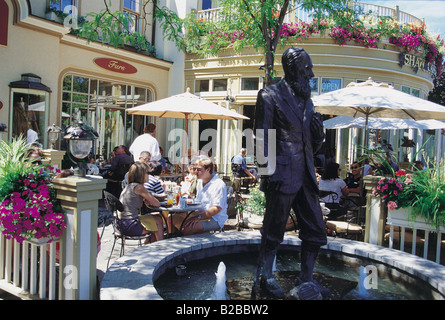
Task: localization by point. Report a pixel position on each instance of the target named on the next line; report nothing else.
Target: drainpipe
(153, 28)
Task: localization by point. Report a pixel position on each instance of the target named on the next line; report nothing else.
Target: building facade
(51, 76)
(234, 79)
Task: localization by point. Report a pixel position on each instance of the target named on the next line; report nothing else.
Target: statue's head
(297, 65)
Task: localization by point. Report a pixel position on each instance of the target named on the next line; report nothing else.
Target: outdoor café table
(189, 208)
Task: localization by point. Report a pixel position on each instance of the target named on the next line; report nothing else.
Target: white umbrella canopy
(186, 106)
(342, 122)
(379, 100)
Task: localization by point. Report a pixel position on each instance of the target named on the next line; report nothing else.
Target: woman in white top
(330, 181)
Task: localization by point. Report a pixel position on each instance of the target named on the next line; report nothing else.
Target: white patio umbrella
(186, 106)
(379, 100)
(342, 122)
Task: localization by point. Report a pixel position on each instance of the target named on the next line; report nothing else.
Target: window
(249, 84)
(29, 115)
(411, 91)
(314, 85)
(206, 4)
(59, 5)
(330, 84)
(202, 86)
(220, 85)
(102, 104)
(132, 9)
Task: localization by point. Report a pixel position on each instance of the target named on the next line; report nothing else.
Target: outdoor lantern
(80, 140)
(53, 134)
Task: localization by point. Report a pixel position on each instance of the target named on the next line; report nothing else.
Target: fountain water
(219, 292)
(154, 267)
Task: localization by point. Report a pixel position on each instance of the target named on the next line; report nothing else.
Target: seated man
(239, 166)
(212, 194)
(353, 179)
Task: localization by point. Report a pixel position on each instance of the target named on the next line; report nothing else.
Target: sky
(432, 10)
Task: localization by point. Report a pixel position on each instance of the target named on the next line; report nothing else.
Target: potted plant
(418, 197)
(253, 209)
(29, 209)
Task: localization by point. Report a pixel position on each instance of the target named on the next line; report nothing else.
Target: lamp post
(80, 138)
(53, 134)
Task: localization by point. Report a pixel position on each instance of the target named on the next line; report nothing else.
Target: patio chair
(340, 226)
(113, 204)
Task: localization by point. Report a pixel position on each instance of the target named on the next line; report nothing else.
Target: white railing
(306, 16)
(29, 268)
(419, 233)
(380, 11)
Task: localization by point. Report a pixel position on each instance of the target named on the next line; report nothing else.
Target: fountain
(135, 275)
(219, 292)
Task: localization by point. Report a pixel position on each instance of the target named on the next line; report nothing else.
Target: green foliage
(421, 190)
(112, 28)
(427, 194)
(13, 164)
(254, 205)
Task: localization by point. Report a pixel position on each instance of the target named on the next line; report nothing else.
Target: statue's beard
(301, 87)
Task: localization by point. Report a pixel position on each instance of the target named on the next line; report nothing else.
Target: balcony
(307, 16)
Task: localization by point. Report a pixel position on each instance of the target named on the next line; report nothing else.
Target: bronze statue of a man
(286, 109)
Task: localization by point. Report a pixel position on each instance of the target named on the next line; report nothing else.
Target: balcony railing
(307, 15)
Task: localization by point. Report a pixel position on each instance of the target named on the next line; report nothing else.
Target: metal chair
(341, 228)
(113, 204)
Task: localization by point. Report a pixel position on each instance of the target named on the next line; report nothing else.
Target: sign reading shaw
(115, 65)
(417, 63)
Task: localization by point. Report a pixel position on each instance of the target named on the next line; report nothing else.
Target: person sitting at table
(163, 162)
(120, 166)
(154, 185)
(353, 178)
(239, 166)
(330, 181)
(133, 197)
(188, 186)
(144, 157)
(212, 194)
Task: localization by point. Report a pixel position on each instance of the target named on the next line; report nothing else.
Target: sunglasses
(355, 168)
(199, 169)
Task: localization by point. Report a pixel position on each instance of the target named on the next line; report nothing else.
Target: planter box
(400, 217)
(42, 241)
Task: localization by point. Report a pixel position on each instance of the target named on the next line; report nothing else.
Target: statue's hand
(317, 126)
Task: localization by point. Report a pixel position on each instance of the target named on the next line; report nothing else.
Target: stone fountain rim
(132, 276)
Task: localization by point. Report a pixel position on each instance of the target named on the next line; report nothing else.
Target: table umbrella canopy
(342, 122)
(379, 100)
(186, 106)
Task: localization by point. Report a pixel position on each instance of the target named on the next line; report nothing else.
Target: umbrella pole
(185, 144)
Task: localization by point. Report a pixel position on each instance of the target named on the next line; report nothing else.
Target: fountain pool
(134, 275)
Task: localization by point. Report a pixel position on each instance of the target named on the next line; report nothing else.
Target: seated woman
(330, 181)
(133, 197)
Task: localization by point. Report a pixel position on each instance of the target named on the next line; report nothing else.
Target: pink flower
(392, 205)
